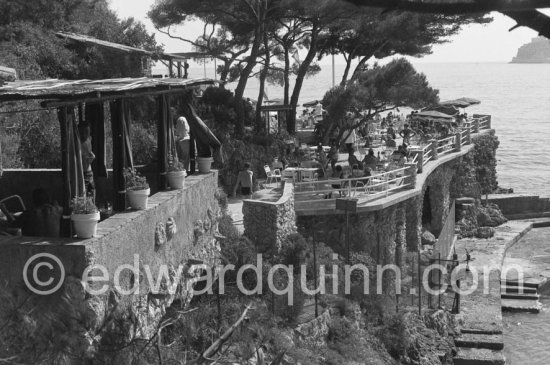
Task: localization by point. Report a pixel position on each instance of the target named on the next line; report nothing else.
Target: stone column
(434, 149)
(458, 143)
(476, 125)
(411, 173)
(469, 135)
(488, 122)
(400, 236)
(414, 223)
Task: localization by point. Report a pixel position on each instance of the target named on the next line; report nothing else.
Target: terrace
(386, 188)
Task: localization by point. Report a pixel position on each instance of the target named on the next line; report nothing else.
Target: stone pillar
(400, 236)
(434, 149)
(469, 135)
(488, 122)
(413, 223)
(411, 173)
(476, 125)
(458, 143)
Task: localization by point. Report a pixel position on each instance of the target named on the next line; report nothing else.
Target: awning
(433, 115)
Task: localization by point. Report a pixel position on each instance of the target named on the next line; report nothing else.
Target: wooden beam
(455, 7)
(162, 132)
(98, 99)
(65, 229)
(119, 155)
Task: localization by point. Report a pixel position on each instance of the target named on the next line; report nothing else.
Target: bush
(394, 336)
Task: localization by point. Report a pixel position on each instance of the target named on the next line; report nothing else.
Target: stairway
(520, 297)
(485, 347)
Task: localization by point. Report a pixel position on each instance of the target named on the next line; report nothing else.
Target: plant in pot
(176, 173)
(204, 157)
(84, 216)
(137, 188)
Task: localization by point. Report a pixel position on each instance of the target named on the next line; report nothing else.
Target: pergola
(78, 100)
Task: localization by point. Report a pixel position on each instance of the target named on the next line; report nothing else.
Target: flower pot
(85, 225)
(204, 163)
(138, 198)
(176, 179)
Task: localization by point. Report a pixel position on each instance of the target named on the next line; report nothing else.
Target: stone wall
(177, 230)
(267, 224)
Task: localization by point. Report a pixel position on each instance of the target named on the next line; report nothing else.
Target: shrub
(394, 336)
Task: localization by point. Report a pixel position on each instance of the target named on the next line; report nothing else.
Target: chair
(10, 216)
(275, 174)
(308, 177)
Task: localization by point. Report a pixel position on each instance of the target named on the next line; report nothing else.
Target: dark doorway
(426, 209)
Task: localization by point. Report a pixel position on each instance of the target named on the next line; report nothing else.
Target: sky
(475, 43)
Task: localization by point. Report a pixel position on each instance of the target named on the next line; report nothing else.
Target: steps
(477, 347)
(520, 297)
(477, 356)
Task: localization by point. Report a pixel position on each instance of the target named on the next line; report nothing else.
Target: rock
(428, 238)
(94, 313)
(75, 289)
(485, 232)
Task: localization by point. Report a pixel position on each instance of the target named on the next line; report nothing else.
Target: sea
(517, 96)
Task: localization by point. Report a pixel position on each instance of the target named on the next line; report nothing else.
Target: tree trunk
(346, 71)
(359, 66)
(287, 75)
(245, 74)
(302, 71)
(263, 75)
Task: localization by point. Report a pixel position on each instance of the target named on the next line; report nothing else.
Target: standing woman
(183, 141)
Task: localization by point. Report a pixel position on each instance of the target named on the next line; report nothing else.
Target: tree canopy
(376, 89)
(246, 34)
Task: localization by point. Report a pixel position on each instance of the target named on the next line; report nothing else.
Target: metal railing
(374, 186)
(382, 184)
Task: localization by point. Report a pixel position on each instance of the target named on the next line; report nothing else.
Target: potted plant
(204, 157)
(84, 216)
(137, 189)
(176, 173)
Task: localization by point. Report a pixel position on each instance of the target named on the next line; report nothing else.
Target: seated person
(390, 142)
(370, 160)
(354, 163)
(338, 174)
(43, 220)
(276, 164)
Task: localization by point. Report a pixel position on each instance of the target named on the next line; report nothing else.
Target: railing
(374, 186)
(442, 247)
(446, 145)
(382, 184)
(428, 154)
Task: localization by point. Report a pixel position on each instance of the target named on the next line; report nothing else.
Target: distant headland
(537, 51)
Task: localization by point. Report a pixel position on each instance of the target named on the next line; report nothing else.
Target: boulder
(485, 232)
(428, 238)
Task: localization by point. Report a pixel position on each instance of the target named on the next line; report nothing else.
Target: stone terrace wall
(177, 228)
(267, 224)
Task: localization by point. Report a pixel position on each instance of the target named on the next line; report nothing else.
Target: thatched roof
(524, 12)
(79, 89)
(81, 38)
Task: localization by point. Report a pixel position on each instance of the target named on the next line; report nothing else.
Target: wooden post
(434, 149)
(458, 141)
(95, 116)
(170, 68)
(192, 153)
(65, 230)
(119, 155)
(162, 132)
(179, 70)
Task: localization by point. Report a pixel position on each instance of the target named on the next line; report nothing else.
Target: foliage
(83, 205)
(174, 164)
(376, 89)
(134, 180)
(485, 162)
(394, 336)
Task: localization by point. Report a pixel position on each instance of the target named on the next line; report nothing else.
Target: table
(314, 148)
(298, 173)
